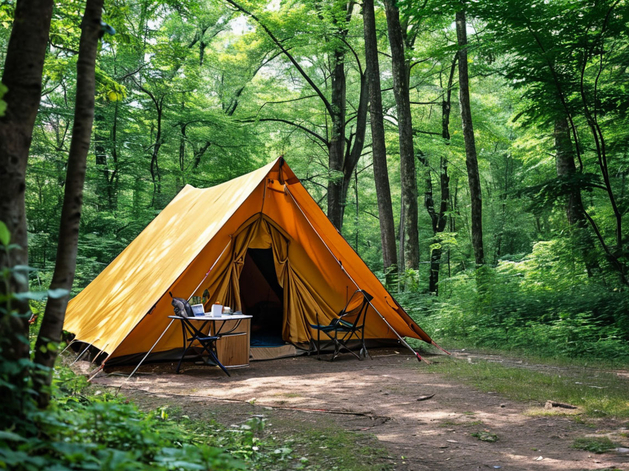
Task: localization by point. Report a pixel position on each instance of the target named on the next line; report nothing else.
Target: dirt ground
(380, 397)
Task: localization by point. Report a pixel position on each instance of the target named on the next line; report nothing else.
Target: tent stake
(99, 369)
(149, 352)
(67, 346)
(83, 352)
(99, 353)
(419, 358)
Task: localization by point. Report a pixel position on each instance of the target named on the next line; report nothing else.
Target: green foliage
(102, 432)
(594, 444)
(3, 104)
(544, 303)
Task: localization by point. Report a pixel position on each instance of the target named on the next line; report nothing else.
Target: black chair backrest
(355, 315)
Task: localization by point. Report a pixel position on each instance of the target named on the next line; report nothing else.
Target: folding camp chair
(349, 324)
(192, 335)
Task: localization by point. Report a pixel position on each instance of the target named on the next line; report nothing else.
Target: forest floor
(381, 407)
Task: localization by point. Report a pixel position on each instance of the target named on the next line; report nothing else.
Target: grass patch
(485, 436)
(594, 444)
(275, 443)
(333, 449)
(599, 394)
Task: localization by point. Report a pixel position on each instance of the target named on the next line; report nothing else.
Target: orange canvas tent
(204, 241)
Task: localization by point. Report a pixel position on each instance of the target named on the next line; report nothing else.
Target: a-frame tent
(201, 241)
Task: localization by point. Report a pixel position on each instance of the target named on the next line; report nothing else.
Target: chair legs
(318, 340)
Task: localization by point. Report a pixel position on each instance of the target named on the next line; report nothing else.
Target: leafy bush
(542, 304)
(103, 432)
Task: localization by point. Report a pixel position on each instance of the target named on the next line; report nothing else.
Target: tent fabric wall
(125, 309)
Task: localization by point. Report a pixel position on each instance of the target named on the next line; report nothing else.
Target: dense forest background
(201, 91)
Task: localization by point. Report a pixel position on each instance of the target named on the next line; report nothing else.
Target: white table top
(222, 317)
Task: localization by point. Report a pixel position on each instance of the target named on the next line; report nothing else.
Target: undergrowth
(102, 432)
(597, 393)
(540, 304)
(87, 429)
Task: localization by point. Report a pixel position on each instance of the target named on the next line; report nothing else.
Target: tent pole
(419, 358)
(211, 268)
(404, 342)
(149, 352)
(99, 353)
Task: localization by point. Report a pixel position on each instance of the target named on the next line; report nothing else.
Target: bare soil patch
(379, 397)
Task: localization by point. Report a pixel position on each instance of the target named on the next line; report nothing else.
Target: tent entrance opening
(262, 297)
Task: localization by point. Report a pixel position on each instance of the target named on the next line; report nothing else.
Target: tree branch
(285, 121)
(288, 55)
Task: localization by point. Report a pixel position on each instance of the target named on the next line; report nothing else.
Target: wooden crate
(233, 348)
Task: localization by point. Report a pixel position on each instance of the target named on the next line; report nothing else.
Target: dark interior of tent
(262, 297)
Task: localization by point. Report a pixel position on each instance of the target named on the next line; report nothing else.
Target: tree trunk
(405, 128)
(471, 159)
(65, 265)
(566, 169)
(156, 175)
(103, 184)
(379, 150)
(114, 179)
(439, 219)
(22, 76)
(337, 142)
(575, 212)
(356, 141)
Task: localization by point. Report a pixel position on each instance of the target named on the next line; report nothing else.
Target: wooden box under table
(233, 348)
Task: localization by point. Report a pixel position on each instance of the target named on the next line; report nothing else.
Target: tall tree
(379, 149)
(563, 61)
(471, 159)
(22, 76)
(439, 218)
(409, 235)
(65, 267)
(344, 147)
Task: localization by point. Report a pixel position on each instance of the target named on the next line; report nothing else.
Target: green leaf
(14, 437)
(5, 235)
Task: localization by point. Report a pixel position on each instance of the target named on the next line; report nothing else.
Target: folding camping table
(207, 334)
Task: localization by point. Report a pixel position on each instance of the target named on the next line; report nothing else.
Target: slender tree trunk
(566, 169)
(405, 128)
(575, 212)
(114, 179)
(356, 142)
(471, 159)
(439, 219)
(65, 265)
(103, 184)
(155, 172)
(22, 76)
(337, 141)
(379, 149)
